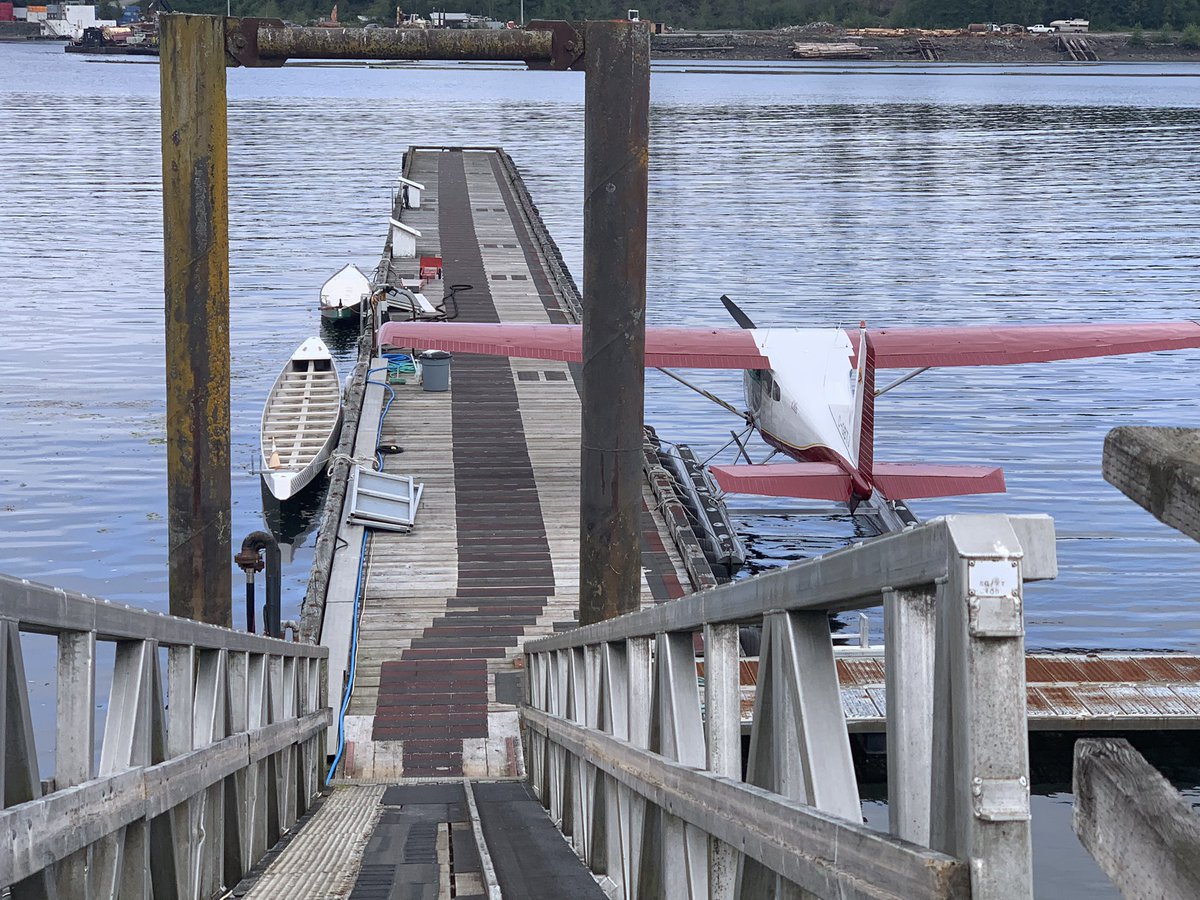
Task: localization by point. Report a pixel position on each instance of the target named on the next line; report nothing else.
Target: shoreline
(898, 46)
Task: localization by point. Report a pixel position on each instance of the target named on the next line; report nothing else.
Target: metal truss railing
(187, 794)
(642, 766)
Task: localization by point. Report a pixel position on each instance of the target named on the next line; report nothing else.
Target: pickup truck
(1040, 29)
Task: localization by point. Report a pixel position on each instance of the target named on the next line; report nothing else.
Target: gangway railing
(642, 767)
(190, 789)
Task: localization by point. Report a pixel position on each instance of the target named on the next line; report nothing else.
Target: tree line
(1105, 15)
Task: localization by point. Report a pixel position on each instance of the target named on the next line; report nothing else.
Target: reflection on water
(341, 337)
(292, 521)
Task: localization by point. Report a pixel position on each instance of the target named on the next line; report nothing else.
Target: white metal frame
(191, 789)
(647, 781)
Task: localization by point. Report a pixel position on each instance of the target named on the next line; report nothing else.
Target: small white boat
(301, 420)
(344, 295)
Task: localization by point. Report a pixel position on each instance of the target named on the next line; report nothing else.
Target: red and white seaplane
(811, 392)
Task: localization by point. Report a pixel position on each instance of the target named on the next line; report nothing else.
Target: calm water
(812, 194)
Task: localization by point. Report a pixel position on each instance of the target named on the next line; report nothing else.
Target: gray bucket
(435, 370)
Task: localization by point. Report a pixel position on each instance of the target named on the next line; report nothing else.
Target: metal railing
(642, 767)
(187, 794)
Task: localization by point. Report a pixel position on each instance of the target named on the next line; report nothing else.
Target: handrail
(645, 774)
(835, 582)
(190, 789)
(44, 609)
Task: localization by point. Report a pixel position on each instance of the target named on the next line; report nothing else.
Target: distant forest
(1105, 15)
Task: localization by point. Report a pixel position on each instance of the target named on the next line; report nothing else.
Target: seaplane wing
(1003, 345)
(676, 347)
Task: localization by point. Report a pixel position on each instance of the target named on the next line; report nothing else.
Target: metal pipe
(251, 626)
(250, 562)
(279, 42)
(196, 270)
(616, 132)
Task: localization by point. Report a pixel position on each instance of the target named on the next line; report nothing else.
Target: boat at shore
(343, 295)
(301, 420)
(138, 39)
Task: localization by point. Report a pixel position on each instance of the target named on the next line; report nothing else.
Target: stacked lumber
(831, 51)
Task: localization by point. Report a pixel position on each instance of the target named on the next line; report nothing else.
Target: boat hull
(301, 420)
(339, 313)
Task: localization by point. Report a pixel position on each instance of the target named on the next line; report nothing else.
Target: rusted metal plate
(749, 671)
(879, 696)
(857, 704)
(1160, 669)
(1132, 699)
(860, 670)
(1097, 701)
(1065, 691)
(1165, 700)
(1189, 694)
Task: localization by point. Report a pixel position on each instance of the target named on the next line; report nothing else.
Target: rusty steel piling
(196, 280)
(616, 135)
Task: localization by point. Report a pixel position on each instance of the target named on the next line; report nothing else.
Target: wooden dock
(493, 558)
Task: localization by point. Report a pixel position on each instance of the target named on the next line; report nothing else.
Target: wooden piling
(616, 131)
(196, 276)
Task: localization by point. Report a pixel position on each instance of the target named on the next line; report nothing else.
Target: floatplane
(810, 392)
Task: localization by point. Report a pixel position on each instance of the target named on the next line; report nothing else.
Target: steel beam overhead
(281, 42)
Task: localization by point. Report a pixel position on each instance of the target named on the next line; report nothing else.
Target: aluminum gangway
(640, 762)
(189, 788)
(632, 745)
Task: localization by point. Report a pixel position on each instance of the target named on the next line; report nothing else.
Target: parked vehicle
(1068, 26)
(1040, 29)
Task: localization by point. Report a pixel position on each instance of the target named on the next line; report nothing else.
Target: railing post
(181, 704)
(19, 782)
(723, 723)
(616, 132)
(681, 738)
(75, 745)
(980, 808)
(237, 834)
(122, 861)
(208, 727)
(908, 621)
(196, 270)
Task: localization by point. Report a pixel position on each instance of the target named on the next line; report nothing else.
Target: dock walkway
(494, 557)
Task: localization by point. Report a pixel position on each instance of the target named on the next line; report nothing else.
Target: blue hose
(362, 559)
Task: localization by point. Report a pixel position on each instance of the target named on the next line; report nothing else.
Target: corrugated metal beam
(282, 42)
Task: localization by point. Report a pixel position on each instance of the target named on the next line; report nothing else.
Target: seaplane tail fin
(914, 481)
(810, 481)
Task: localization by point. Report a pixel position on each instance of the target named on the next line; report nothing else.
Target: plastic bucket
(435, 370)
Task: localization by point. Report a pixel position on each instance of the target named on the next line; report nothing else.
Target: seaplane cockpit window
(768, 382)
(775, 391)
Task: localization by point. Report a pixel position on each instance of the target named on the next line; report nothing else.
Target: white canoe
(343, 295)
(301, 420)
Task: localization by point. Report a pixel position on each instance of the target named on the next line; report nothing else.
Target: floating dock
(493, 559)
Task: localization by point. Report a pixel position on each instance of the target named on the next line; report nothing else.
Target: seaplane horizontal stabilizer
(826, 481)
(812, 481)
(915, 481)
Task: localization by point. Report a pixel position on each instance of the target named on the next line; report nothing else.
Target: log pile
(847, 50)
